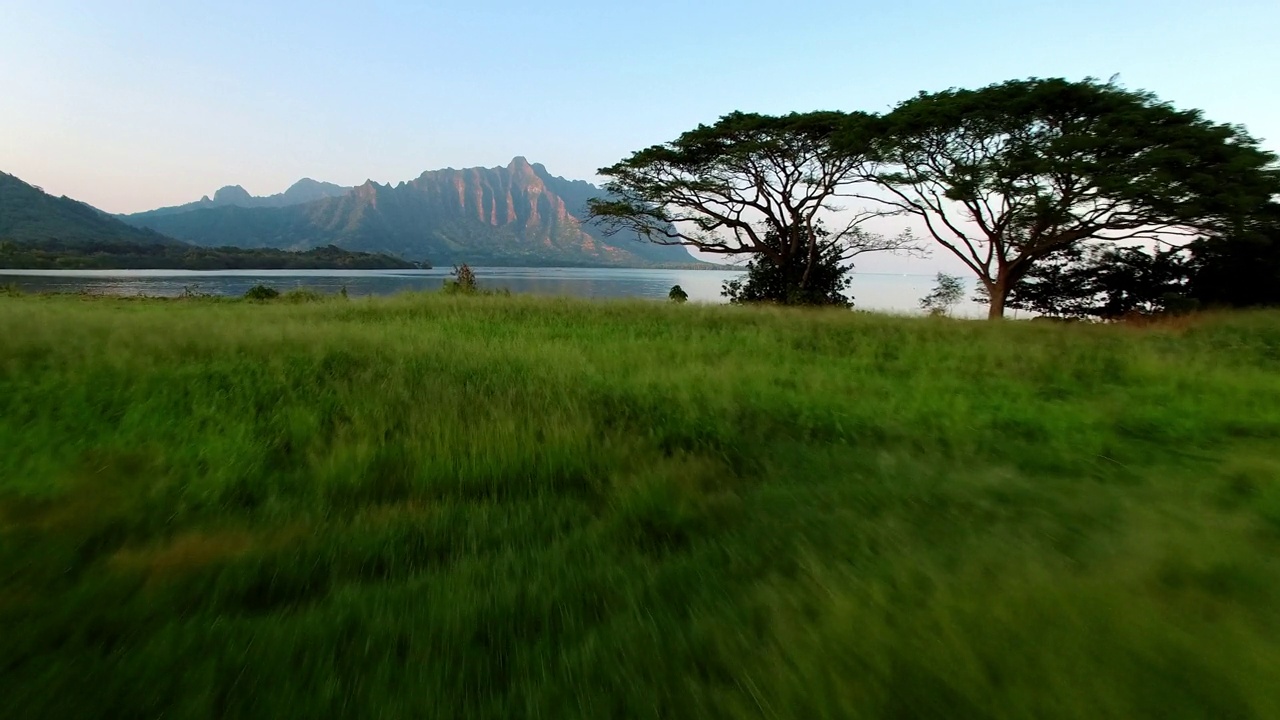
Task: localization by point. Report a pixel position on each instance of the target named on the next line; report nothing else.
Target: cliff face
(513, 215)
(514, 195)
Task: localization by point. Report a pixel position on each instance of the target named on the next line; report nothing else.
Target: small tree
(948, 291)
(677, 294)
(463, 282)
(769, 282)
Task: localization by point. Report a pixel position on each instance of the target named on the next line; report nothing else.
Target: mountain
(514, 215)
(304, 191)
(29, 215)
(38, 230)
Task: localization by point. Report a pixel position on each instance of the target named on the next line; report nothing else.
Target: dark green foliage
(261, 292)
(1106, 283)
(677, 294)
(302, 295)
(30, 215)
(1237, 270)
(1014, 173)
(825, 281)
(94, 255)
(1240, 268)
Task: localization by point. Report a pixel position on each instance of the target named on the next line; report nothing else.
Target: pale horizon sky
(130, 106)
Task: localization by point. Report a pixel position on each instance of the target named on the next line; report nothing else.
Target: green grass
(432, 506)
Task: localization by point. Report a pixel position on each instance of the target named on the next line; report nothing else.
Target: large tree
(751, 185)
(1104, 282)
(1240, 268)
(1010, 174)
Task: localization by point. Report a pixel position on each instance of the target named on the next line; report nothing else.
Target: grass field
(439, 507)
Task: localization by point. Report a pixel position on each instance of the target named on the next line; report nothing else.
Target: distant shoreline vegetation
(58, 255)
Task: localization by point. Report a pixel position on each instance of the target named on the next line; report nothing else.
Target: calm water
(898, 293)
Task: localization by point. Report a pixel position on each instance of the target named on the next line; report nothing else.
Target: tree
(947, 292)
(770, 282)
(677, 295)
(1011, 174)
(463, 282)
(751, 185)
(1106, 283)
(1241, 268)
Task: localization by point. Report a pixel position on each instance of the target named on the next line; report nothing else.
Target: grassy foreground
(433, 506)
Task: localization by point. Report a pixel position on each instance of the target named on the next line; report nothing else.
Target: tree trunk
(998, 291)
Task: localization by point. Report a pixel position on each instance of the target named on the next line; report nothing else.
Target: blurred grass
(433, 506)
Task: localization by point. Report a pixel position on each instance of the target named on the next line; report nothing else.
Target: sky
(134, 105)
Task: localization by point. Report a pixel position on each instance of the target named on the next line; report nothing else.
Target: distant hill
(29, 214)
(514, 215)
(304, 191)
(40, 231)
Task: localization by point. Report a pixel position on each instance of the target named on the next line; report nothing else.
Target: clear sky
(130, 105)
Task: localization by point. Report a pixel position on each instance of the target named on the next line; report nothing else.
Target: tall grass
(445, 506)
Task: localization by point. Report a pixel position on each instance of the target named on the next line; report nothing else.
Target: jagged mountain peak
(232, 195)
(514, 215)
(301, 192)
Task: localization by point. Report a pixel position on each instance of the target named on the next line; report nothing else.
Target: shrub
(463, 282)
(677, 294)
(302, 295)
(261, 292)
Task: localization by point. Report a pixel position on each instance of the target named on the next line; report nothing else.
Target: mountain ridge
(303, 191)
(41, 231)
(28, 215)
(519, 214)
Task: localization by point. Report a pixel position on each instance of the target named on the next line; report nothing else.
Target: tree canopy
(1008, 175)
(1105, 282)
(1240, 268)
(749, 185)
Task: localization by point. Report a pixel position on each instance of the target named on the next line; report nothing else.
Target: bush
(302, 295)
(261, 292)
(677, 294)
(463, 282)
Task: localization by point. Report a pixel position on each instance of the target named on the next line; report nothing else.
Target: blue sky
(133, 105)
